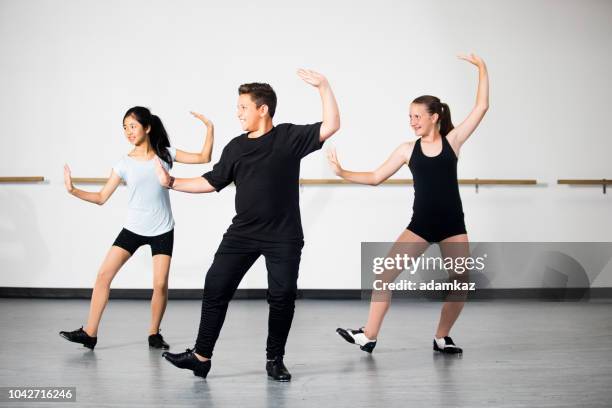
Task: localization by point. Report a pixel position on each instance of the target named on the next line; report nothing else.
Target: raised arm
(397, 159)
(206, 153)
(186, 185)
(331, 115)
(461, 133)
(97, 198)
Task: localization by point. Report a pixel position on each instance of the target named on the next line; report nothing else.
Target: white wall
(70, 69)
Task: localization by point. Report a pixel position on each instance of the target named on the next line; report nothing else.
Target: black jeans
(233, 259)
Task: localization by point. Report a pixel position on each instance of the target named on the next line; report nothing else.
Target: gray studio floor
(517, 354)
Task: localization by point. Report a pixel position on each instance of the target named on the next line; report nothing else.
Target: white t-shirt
(149, 211)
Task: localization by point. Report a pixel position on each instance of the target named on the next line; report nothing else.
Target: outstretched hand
(472, 59)
(332, 158)
(312, 77)
(201, 117)
(162, 174)
(68, 178)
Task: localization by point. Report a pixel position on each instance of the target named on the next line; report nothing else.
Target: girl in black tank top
(437, 211)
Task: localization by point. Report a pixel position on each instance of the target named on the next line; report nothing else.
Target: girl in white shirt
(149, 220)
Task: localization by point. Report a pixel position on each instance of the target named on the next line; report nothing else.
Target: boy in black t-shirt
(264, 164)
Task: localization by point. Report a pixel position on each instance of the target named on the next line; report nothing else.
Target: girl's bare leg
(381, 300)
(115, 259)
(159, 300)
(458, 247)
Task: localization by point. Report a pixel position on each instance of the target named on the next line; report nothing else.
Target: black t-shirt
(266, 173)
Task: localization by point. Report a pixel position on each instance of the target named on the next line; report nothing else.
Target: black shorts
(160, 244)
(436, 229)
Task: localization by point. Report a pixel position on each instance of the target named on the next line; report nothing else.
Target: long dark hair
(434, 105)
(158, 137)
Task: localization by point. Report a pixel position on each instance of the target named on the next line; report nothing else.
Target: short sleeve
(222, 173)
(304, 139)
(172, 151)
(119, 168)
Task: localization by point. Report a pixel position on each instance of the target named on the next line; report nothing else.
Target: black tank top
(436, 189)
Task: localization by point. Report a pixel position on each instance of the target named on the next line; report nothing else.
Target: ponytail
(159, 140)
(446, 124)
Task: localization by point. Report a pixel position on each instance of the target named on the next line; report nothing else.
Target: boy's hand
(162, 174)
(312, 77)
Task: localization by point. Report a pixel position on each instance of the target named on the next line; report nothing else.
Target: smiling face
(135, 133)
(421, 121)
(249, 114)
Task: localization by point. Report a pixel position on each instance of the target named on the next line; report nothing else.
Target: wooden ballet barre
(586, 182)
(475, 182)
(35, 179)
(91, 180)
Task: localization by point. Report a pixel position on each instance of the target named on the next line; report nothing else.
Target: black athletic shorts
(160, 244)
